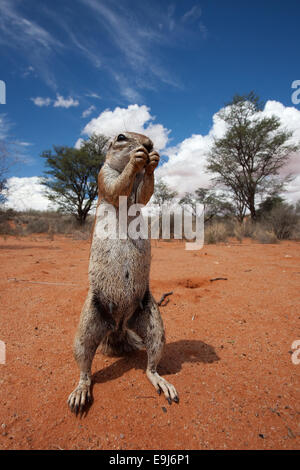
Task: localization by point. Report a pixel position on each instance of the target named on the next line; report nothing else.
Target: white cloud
(126, 90)
(185, 169)
(24, 35)
(27, 193)
(203, 30)
(24, 144)
(21, 30)
(290, 119)
(93, 95)
(134, 118)
(28, 71)
(39, 101)
(136, 49)
(130, 94)
(78, 143)
(193, 14)
(293, 190)
(62, 102)
(59, 102)
(4, 126)
(93, 56)
(88, 111)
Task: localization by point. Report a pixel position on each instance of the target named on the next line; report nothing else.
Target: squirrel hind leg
(148, 325)
(92, 329)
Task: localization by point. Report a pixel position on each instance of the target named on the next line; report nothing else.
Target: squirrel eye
(121, 137)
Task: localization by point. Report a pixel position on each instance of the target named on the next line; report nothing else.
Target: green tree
(71, 177)
(247, 160)
(269, 204)
(214, 204)
(163, 193)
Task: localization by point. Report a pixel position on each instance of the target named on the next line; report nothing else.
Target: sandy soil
(228, 351)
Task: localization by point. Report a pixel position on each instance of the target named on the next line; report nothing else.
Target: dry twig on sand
(218, 279)
(160, 303)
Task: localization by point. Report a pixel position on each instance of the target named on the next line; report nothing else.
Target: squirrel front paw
(139, 158)
(152, 163)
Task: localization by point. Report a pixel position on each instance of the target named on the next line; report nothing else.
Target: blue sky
(182, 59)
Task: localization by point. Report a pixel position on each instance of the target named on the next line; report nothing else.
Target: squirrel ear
(109, 144)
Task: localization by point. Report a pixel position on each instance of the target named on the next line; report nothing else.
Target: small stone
(262, 436)
(164, 409)
(122, 436)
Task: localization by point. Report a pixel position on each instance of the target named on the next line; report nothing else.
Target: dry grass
(81, 235)
(280, 224)
(264, 235)
(29, 222)
(283, 220)
(215, 233)
(295, 234)
(246, 229)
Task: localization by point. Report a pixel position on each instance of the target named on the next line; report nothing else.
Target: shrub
(63, 224)
(80, 235)
(265, 236)
(282, 220)
(238, 231)
(39, 225)
(31, 221)
(295, 235)
(215, 233)
(5, 228)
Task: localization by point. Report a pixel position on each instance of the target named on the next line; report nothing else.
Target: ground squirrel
(120, 313)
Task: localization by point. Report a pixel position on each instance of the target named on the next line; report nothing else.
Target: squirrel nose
(148, 144)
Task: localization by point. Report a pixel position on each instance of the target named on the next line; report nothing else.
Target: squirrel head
(122, 145)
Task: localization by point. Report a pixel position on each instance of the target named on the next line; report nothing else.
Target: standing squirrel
(120, 314)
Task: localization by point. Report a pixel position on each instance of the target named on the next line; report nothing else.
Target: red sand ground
(228, 351)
